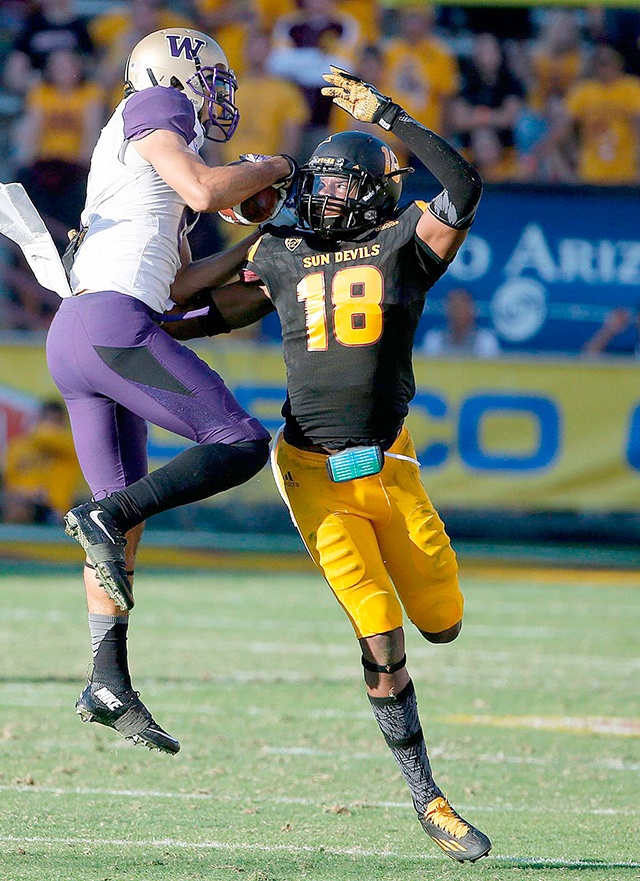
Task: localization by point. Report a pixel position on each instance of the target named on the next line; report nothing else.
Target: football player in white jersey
(117, 368)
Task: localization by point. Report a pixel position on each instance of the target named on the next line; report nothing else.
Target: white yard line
(533, 862)
(216, 845)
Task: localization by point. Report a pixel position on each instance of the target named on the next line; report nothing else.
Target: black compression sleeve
(457, 204)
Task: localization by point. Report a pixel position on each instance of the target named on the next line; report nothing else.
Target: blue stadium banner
(545, 266)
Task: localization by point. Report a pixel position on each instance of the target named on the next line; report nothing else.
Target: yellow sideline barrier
(512, 435)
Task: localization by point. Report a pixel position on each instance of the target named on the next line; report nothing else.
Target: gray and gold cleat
(457, 838)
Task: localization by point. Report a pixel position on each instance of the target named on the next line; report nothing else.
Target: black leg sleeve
(193, 475)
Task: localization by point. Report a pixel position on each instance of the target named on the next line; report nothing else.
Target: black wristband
(213, 323)
(388, 117)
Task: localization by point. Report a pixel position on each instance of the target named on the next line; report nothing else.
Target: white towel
(20, 222)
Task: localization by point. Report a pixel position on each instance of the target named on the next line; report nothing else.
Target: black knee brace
(386, 668)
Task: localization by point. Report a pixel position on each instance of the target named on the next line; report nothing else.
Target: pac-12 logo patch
(184, 45)
(292, 243)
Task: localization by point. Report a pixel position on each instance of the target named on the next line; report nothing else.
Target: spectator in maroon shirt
(305, 44)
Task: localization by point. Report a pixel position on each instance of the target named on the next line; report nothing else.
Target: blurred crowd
(538, 95)
(534, 95)
(41, 477)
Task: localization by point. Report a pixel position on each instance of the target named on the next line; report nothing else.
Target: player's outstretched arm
(451, 213)
(223, 309)
(204, 188)
(210, 272)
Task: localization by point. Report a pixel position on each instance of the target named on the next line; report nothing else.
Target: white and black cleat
(126, 714)
(96, 531)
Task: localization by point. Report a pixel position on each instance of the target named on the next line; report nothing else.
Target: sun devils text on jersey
(349, 312)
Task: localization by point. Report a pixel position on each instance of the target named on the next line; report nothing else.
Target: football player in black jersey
(348, 282)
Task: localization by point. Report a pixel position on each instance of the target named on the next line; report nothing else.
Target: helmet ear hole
(176, 83)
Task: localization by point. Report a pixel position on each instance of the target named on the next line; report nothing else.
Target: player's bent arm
(204, 188)
(210, 272)
(229, 308)
(445, 225)
(442, 239)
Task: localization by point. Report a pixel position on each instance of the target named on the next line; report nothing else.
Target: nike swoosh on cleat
(95, 516)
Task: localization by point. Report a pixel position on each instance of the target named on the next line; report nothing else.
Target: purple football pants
(116, 370)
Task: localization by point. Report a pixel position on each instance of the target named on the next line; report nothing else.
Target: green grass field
(531, 717)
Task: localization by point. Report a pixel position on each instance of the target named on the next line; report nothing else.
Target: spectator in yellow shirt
(558, 59)
(273, 114)
(269, 11)
(42, 474)
(228, 22)
(495, 163)
(554, 66)
(367, 14)
(606, 111)
(49, 26)
(54, 139)
(422, 73)
(273, 110)
(304, 45)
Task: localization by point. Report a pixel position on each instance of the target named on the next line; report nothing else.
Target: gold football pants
(378, 540)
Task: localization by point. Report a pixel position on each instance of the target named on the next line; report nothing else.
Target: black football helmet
(351, 183)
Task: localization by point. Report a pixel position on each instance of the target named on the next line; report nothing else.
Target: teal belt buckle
(355, 462)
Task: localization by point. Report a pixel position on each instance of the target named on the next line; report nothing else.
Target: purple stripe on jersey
(108, 410)
(159, 108)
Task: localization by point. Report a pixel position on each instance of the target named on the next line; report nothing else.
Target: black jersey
(349, 311)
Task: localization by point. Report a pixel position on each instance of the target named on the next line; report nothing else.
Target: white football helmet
(194, 63)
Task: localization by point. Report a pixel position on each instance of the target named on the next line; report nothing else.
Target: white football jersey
(134, 220)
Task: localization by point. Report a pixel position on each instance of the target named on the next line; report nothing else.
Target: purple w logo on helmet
(184, 45)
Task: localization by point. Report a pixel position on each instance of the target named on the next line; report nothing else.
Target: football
(255, 209)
